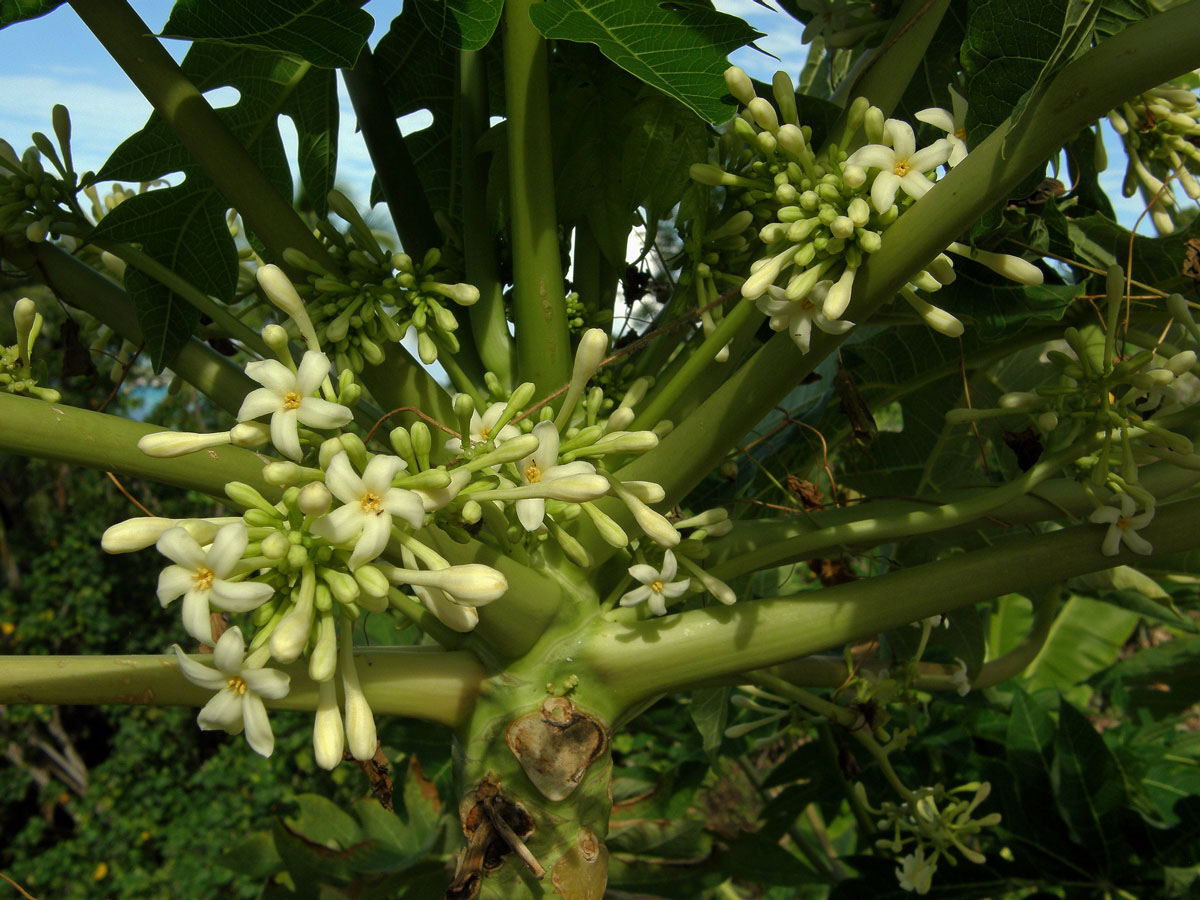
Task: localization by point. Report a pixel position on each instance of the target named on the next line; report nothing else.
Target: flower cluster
(658, 584)
(1160, 129)
(31, 199)
(371, 298)
(936, 823)
(17, 374)
(818, 214)
(1122, 405)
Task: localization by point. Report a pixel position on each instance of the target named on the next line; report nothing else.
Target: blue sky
(55, 59)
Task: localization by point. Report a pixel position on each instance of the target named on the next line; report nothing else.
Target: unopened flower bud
(250, 434)
(170, 444)
(328, 743)
(764, 114)
(291, 634)
(360, 723)
(280, 291)
(314, 499)
(739, 85)
(135, 534)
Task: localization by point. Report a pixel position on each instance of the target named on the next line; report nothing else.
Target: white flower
(1122, 527)
(959, 679)
(239, 701)
(657, 586)
(916, 872)
(540, 467)
(482, 427)
(288, 397)
(953, 123)
(200, 577)
(370, 502)
(799, 316)
(901, 166)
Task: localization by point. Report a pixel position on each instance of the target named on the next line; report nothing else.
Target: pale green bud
(276, 545)
(170, 444)
(611, 533)
(246, 496)
(323, 663)
(361, 736)
(314, 499)
(739, 85)
(291, 634)
(280, 291)
(282, 472)
(250, 434)
(344, 587)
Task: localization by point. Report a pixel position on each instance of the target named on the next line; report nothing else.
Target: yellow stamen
(1123, 523)
(960, 133)
(372, 504)
(901, 167)
(237, 684)
(656, 585)
(204, 578)
(532, 473)
(291, 400)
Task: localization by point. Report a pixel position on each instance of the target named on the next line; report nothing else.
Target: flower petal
(930, 157)
(196, 616)
(530, 512)
(937, 117)
(376, 530)
(317, 413)
(873, 156)
(222, 713)
(342, 525)
(227, 549)
(341, 480)
(883, 190)
(284, 434)
(273, 375)
(1111, 545)
(269, 683)
(198, 673)
(1137, 543)
(377, 476)
(636, 596)
(180, 547)
(903, 139)
(546, 455)
(644, 573)
(239, 596)
(669, 567)
(313, 370)
(453, 615)
(675, 588)
(230, 650)
(259, 402)
(407, 505)
(174, 582)
(258, 726)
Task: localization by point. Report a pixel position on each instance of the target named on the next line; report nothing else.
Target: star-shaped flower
(901, 166)
(1122, 526)
(657, 586)
(202, 578)
(370, 503)
(954, 123)
(916, 872)
(240, 690)
(288, 397)
(799, 316)
(483, 426)
(541, 466)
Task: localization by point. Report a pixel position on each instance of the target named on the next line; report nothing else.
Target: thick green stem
(543, 345)
(99, 441)
(488, 321)
(421, 682)
(135, 49)
(764, 543)
(394, 167)
(639, 660)
(1016, 660)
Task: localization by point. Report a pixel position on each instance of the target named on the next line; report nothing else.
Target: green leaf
(1078, 23)
(1163, 680)
(324, 822)
(326, 33)
(1088, 784)
(678, 47)
(255, 856)
(1117, 15)
(461, 24)
(418, 74)
(1102, 242)
(709, 710)
(13, 11)
(182, 227)
(1006, 47)
(1086, 637)
(1028, 745)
